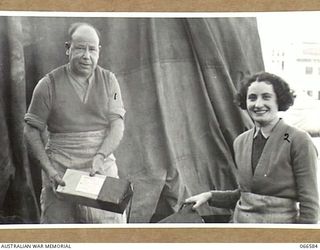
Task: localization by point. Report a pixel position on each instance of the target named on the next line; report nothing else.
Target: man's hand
(56, 180)
(35, 144)
(199, 199)
(97, 164)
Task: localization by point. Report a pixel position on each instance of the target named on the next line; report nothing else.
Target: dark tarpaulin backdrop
(178, 77)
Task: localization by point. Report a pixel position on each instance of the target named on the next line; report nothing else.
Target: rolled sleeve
(40, 105)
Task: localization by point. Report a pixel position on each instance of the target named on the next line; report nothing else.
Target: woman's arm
(216, 198)
(224, 199)
(304, 162)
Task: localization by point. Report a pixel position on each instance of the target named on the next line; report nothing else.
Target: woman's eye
(252, 97)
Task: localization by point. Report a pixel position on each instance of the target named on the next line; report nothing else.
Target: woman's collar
(266, 130)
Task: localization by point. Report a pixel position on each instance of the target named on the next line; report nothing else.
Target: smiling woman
(262, 103)
(276, 163)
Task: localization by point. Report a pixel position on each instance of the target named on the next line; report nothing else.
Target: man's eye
(266, 97)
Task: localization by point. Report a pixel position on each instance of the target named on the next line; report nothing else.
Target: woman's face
(262, 103)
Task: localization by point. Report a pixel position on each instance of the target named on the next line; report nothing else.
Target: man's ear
(67, 46)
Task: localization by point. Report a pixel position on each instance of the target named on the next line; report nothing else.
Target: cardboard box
(98, 191)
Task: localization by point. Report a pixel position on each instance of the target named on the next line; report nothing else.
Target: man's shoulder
(103, 70)
(56, 75)
(58, 70)
(109, 77)
(46, 81)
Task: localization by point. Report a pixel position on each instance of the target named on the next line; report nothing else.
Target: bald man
(80, 104)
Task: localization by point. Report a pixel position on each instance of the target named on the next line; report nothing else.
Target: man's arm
(110, 143)
(35, 146)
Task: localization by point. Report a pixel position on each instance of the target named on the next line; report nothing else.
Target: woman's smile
(262, 103)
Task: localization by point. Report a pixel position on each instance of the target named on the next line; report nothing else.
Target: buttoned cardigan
(287, 168)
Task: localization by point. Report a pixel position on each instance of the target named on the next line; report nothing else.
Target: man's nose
(86, 52)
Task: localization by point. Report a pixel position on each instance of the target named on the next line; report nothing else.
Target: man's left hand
(97, 164)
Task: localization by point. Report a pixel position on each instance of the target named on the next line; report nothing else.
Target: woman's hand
(199, 199)
(97, 164)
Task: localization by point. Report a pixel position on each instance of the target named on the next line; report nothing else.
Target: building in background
(299, 64)
(291, 49)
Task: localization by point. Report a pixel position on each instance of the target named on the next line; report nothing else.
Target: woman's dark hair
(73, 29)
(285, 96)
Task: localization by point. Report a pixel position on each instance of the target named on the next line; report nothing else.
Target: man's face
(84, 51)
(262, 103)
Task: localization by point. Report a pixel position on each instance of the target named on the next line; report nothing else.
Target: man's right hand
(36, 146)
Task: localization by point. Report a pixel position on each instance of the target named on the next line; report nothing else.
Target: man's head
(83, 49)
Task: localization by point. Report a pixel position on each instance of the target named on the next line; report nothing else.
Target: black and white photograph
(160, 119)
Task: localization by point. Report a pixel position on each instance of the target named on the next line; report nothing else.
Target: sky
(289, 26)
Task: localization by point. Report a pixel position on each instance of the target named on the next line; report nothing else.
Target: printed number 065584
(309, 245)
